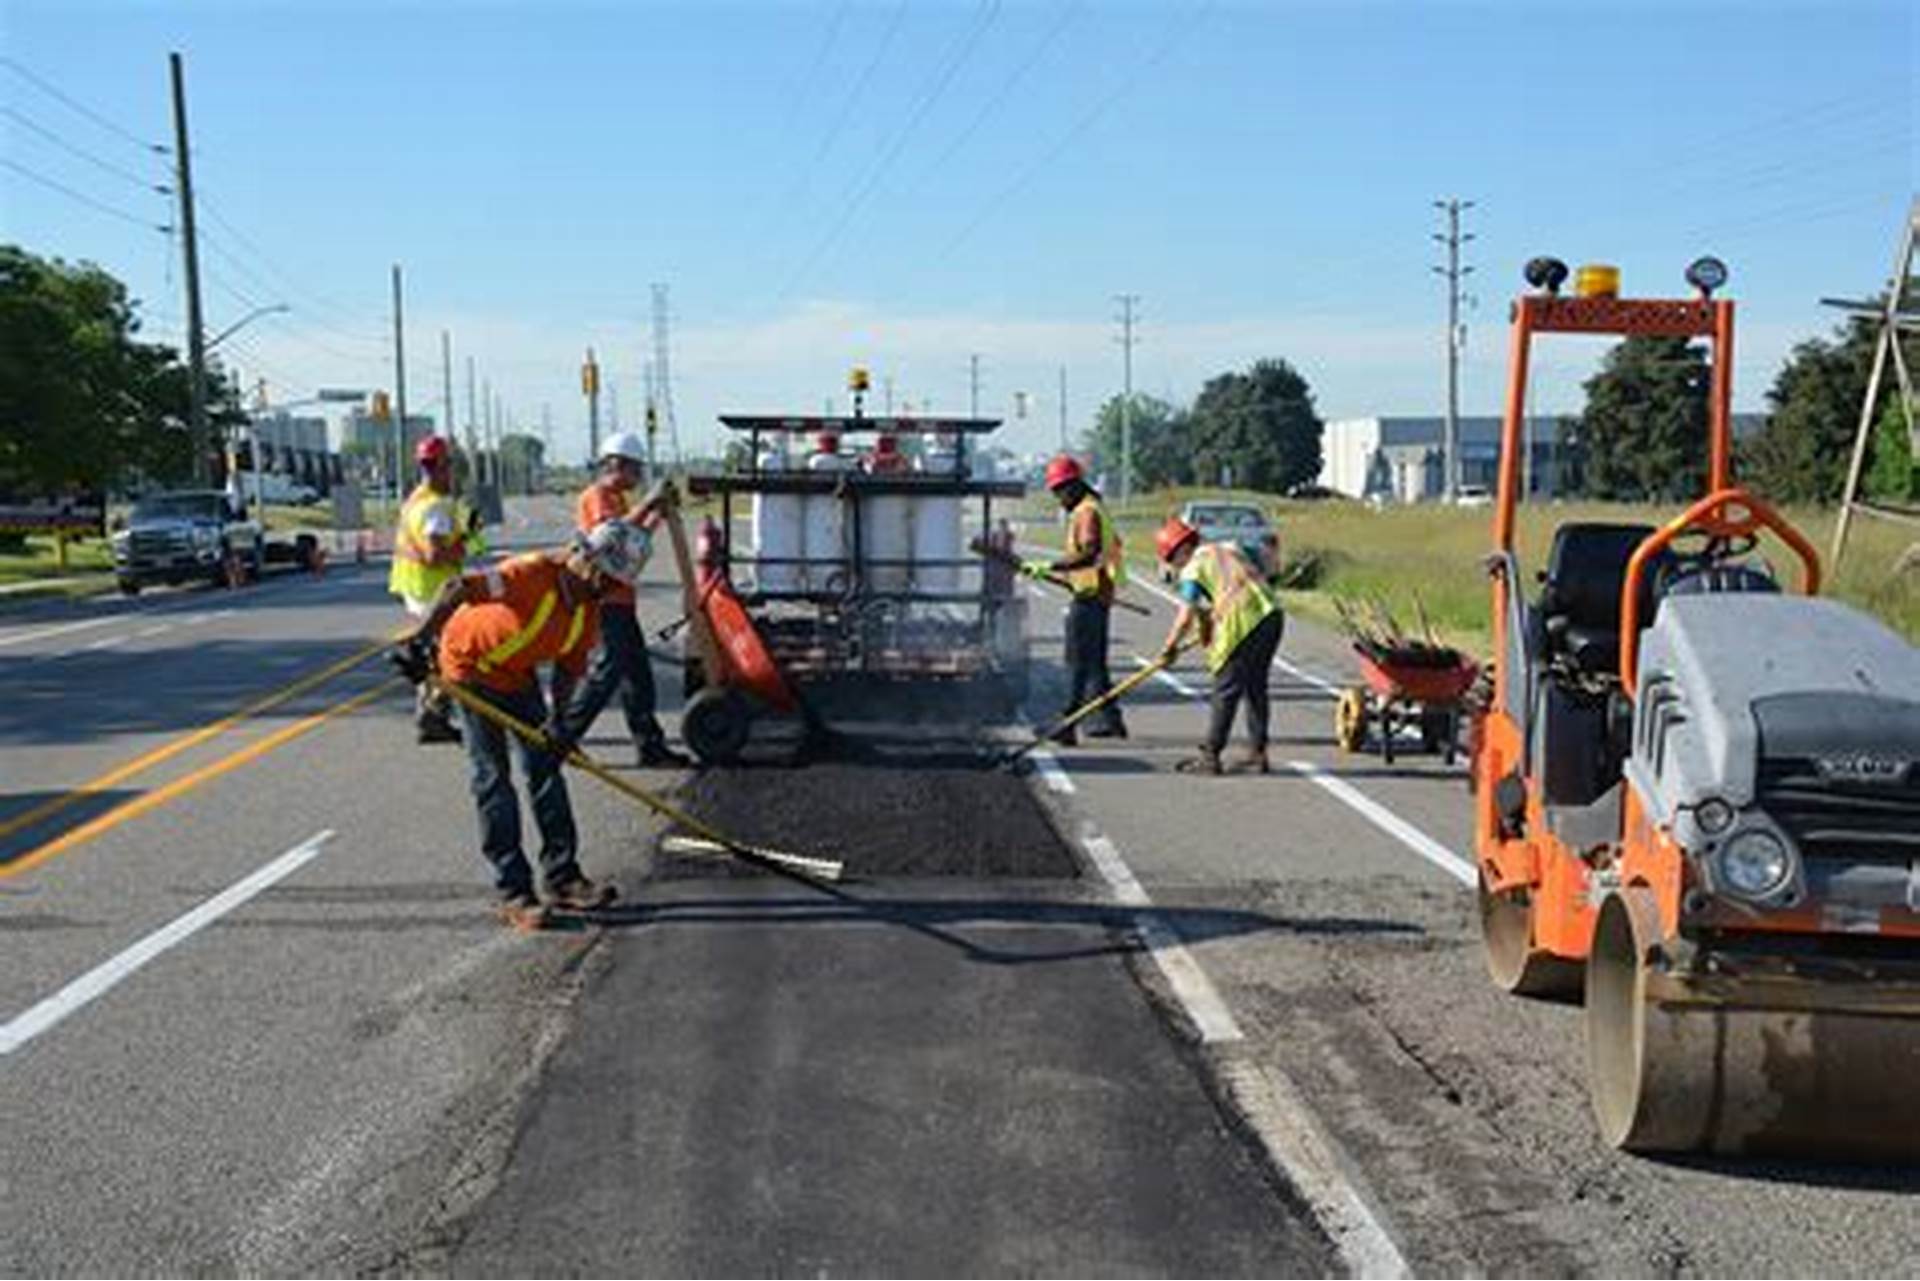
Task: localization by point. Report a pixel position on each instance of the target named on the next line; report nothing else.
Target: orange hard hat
(1172, 536)
(1062, 469)
(430, 451)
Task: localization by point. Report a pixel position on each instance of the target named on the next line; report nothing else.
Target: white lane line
(1272, 1108)
(107, 642)
(157, 629)
(103, 977)
(1389, 822)
(21, 638)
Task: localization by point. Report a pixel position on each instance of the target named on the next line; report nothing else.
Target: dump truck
(1697, 797)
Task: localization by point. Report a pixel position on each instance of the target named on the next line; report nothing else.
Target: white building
(1401, 459)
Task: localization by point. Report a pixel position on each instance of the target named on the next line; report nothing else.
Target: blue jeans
(486, 745)
(620, 663)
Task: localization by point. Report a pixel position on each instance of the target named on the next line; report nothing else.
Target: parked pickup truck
(185, 535)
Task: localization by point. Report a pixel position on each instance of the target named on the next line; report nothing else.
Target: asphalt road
(1087, 1020)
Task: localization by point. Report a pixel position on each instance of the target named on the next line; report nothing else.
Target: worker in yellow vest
(433, 540)
(1224, 594)
(1094, 570)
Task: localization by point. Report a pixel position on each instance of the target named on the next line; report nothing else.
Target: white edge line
(1389, 822)
(19, 638)
(1279, 1117)
(1284, 1124)
(103, 977)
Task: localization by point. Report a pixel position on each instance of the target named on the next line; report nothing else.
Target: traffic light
(382, 407)
(590, 376)
(858, 380)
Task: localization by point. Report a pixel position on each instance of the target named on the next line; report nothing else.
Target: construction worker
(493, 629)
(433, 539)
(1224, 594)
(1094, 570)
(621, 662)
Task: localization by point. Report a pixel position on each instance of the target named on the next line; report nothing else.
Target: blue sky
(903, 185)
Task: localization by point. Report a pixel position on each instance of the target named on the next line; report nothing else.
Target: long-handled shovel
(1088, 708)
(705, 839)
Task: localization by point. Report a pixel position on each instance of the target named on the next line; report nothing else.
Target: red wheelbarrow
(1404, 682)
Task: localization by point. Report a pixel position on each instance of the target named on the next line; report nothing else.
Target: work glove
(1036, 569)
(1169, 652)
(413, 659)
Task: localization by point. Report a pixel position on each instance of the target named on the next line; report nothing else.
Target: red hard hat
(1062, 469)
(430, 451)
(1172, 536)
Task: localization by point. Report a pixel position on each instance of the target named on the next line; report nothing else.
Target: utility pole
(973, 386)
(1126, 340)
(1453, 238)
(663, 369)
(590, 385)
(473, 431)
(1063, 409)
(399, 389)
(446, 395)
(190, 258)
(486, 430)
(886, 389)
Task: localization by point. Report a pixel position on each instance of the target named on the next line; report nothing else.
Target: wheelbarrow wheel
(715, 724)
(1350, 719)
(1437, 732)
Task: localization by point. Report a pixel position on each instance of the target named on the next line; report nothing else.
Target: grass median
(1434, 552)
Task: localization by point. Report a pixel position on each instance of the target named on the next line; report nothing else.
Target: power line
(81, 107)
(1182, 28)
(287, 283)
(258, 281)
(989, 10)
(994, 102)
(85, 199)
(68, 147)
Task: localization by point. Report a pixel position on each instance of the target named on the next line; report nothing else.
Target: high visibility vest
(414, 575)
(1237, 597)
(1110, 569)
(504, 653)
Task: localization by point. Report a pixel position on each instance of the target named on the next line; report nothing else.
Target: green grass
(39, 562)
(1434, 552)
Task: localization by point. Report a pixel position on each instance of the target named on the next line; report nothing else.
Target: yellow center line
(187, 782)
(167, 751)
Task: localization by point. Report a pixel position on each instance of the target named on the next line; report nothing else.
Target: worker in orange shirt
(621, 662)
(493, 630)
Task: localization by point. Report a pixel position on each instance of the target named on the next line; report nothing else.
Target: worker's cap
(615, 548)
(1063, 469)
(1172, 536)
(624, 444)
(432, 450)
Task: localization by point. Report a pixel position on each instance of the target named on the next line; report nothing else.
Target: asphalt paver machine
(1697, 798)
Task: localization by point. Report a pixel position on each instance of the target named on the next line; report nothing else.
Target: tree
(1258, 429)
(1643, 434)
(83, 404)
(1803, 453)
(1160, 445)
(1895, 474)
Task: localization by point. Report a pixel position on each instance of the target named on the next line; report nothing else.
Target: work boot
(436, 729)
(660, 756)
(522, 911)
(1253, 760)
(1112, 729)
(1206, 761)
(578, 894)
(1068, 737)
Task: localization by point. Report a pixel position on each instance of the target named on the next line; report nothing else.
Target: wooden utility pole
(190, 258)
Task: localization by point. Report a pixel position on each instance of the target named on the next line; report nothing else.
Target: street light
(251, 316)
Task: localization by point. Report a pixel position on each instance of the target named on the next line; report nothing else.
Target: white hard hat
(615, 548)
(624, 444)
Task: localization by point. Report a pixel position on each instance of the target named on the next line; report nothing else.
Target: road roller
(1697, 796)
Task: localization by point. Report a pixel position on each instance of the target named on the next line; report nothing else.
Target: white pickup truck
(185, 535)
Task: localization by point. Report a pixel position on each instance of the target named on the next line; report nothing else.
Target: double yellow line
(160, 796)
